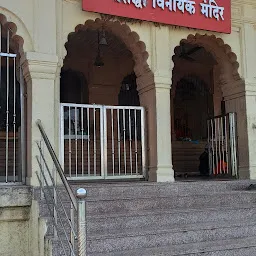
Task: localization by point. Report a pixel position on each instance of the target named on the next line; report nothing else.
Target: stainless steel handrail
(57, 164)
(78, 202)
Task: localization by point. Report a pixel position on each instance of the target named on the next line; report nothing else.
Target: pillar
(248, 103)
(234, 96)
(40, 72)
(154, 89)
(155, 97)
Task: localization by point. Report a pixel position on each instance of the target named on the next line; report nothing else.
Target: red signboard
(212, 15)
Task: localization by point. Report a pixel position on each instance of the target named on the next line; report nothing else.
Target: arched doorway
(12, 105)
(193, 105)
(198, 96)
(102, 121)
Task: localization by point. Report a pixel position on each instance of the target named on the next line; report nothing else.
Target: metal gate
(103, 142)
(12, 111)
(222, 145)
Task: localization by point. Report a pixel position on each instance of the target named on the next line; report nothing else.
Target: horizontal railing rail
(72, 235)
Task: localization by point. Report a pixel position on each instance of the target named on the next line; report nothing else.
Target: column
(40, 73)
(248, 103)
(234, 96)
(155, 97)
(165, 170)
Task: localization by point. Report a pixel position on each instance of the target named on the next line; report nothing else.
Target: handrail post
(81, 195)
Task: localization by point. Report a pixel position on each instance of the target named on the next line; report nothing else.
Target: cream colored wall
(22, 231)
(45, 25)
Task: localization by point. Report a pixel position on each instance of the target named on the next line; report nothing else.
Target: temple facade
(176, 80)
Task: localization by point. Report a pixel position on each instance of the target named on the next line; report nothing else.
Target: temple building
(126, 90)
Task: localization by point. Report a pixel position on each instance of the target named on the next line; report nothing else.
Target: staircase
(183, 218)
(185, 157)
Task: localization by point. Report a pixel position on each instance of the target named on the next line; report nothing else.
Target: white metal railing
(103, 142)
(222, 145)
(64, 219)
(12, 121)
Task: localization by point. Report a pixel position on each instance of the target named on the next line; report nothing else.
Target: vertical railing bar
(69, 142)
(119, 142)
(212, 147)
(130, 140)
(62, 136)
(54, 197)
(14, 120)
(104, 141)
(231, 142)
(88, 142)
(226, 143)
(81, 195)
(216, 146)
(209, 148)
(219, 152)
(72, 224)
(222, 144)
(94, 140)
(235, 144)
(42, 167)
(7, 110)
(124, 133)
(82, 142)
(22, 118)
(143, 147)
(76, 140)
(136, 142)
(113, 143)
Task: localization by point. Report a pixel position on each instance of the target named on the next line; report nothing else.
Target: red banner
(212, 15)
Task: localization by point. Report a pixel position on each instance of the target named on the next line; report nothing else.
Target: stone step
(105, 190)
(183, 218)
(134, 205)
(136, 239)
(142, 238)
(138, 204)
(225, 247)
(98, 223)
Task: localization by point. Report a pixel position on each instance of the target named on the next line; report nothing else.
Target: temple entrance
(102, 122)
(203, 133)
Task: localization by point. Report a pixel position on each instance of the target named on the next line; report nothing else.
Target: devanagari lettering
(159, 3)
(211, 9)
(181, 5)
(137, 3)
(171, 5)
(140, 3)
(190, 8)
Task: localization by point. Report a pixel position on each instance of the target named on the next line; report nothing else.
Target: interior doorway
(196, 99)
(102, 121)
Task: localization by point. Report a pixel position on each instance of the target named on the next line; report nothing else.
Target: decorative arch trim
(222, 53)
(17, 42)
(130, 38)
